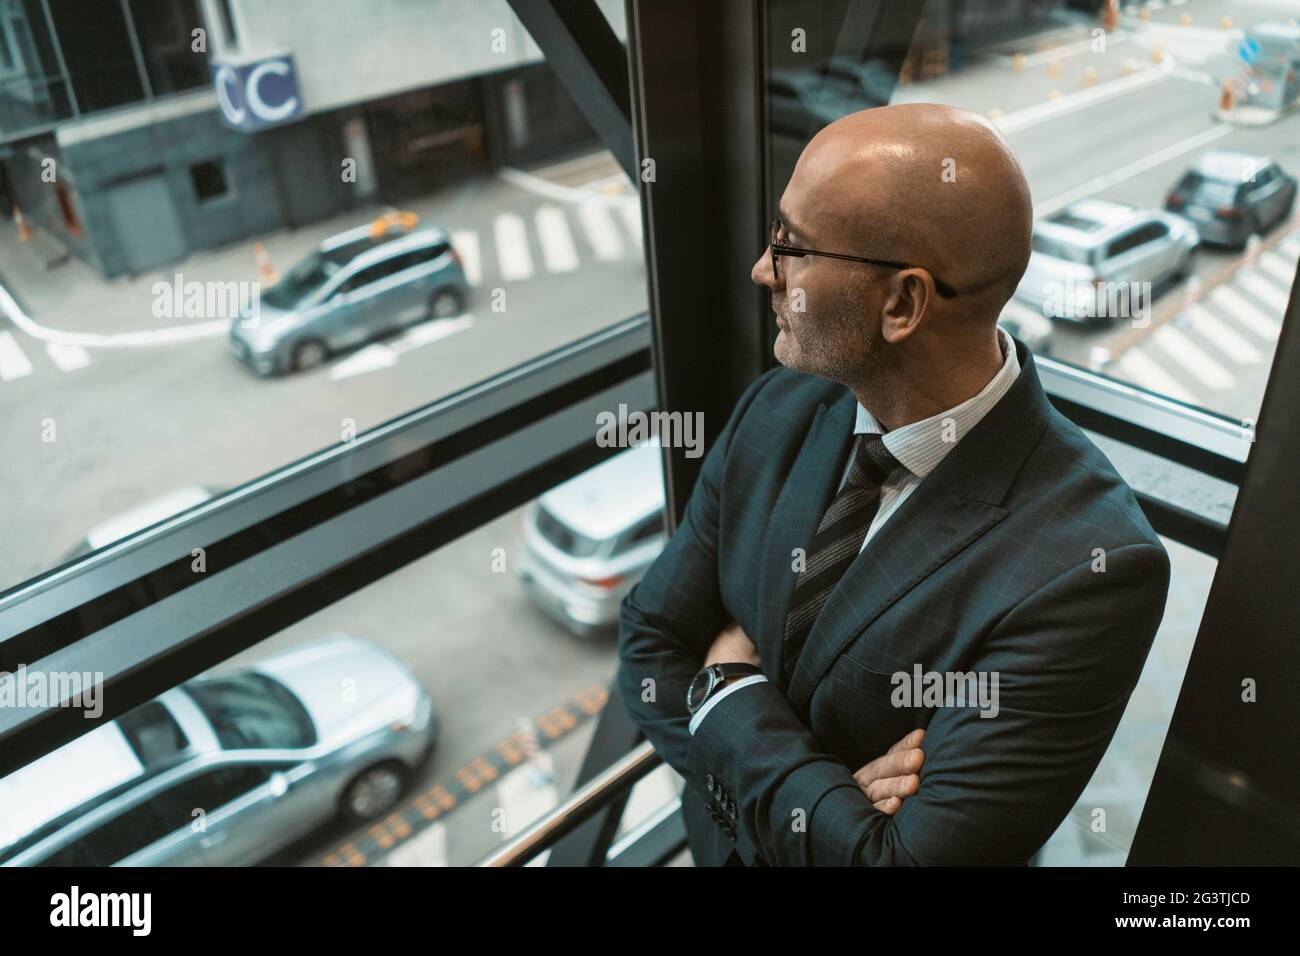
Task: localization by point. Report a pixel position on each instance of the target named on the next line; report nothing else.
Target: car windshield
(303, 280)
(253, 711)
(1057, 249)
(1210, 192)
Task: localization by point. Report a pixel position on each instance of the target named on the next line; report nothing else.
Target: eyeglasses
(780, 249)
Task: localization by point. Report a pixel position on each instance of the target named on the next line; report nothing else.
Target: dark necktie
(837, 542)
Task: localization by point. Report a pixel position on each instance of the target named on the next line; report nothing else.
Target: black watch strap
(716, 677)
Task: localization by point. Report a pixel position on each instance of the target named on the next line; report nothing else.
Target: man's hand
(732, 646)
(889, 780)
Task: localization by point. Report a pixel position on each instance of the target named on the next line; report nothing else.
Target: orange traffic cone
(1110, 16)
(1225, 96)
(265, 270)
(24, 230)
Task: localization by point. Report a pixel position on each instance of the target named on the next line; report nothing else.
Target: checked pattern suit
(990, 565)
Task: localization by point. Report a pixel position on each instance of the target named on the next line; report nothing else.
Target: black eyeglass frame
(782, 249)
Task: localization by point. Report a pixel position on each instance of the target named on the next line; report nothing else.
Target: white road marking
(513, 256)
(1143, 371)
(369, 359)
(465, 242)
(433, 330)
(427, 848)
(383, 355)
(176, 333)
(554, 191)
(1192, 357)
(1277, 267)
(1246, 312)
(67, 357)
(1265, 291)
(13, 360)
(1090, 96)
(1062, 51)
(598, 225)
(1221, 334)
(1291, 246)
(1130, 170)
(557, 242)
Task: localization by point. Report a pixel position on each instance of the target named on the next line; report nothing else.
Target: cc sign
(259, 93)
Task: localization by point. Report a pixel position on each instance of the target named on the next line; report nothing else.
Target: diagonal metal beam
(591, 64)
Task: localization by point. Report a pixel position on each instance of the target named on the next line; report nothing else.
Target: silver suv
(358, 286)
(261, 757)
(589, 540)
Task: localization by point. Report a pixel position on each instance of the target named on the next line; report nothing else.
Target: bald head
(934, 188)
(930, 185)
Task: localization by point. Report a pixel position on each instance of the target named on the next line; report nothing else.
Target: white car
(1102, 261)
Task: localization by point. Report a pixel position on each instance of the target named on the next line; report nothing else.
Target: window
(253, 711)
(648, 529)
(128, 833)
(547, 252)
(1126, 243)
(1202, 333)
(209, 180)
(154, 734)
(210, 791)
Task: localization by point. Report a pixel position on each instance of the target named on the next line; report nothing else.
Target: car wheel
(309, 354)
(374, 792)
(446, 302)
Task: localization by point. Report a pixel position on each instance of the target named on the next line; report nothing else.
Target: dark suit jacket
(991, 564)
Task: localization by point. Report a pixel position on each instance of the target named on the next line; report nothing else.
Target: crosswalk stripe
(1143, 371)
(1192, 357)
(466, 243)
(1265, 291)
(631, 213)
(598, 226)
(67, 357)
(13, 361)
(428, 848)
(1290, 245)
(1246, 312)
(1277, 267)
(1221, 334)
(513, 257)
(557, 241)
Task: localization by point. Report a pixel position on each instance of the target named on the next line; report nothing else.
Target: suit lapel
(953, 506)
(807, 493)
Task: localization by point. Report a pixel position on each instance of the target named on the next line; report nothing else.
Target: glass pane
(173, 323)
(1158, 122)
(421, 720)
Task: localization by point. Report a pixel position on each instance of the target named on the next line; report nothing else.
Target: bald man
(908, 600)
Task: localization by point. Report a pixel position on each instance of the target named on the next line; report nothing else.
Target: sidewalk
(74, 298)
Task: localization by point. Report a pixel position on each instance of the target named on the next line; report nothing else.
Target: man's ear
(905, 304)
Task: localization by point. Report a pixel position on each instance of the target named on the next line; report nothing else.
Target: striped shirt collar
(920, 446)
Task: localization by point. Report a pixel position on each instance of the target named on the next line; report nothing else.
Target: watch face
(698, 690)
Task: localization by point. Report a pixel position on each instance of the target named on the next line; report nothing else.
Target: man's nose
(761, 274)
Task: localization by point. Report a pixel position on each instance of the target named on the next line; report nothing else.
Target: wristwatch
(710, 679)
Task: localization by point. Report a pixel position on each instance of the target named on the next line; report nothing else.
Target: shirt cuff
(712, 701)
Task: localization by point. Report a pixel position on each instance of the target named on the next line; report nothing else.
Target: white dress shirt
(919, 447)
